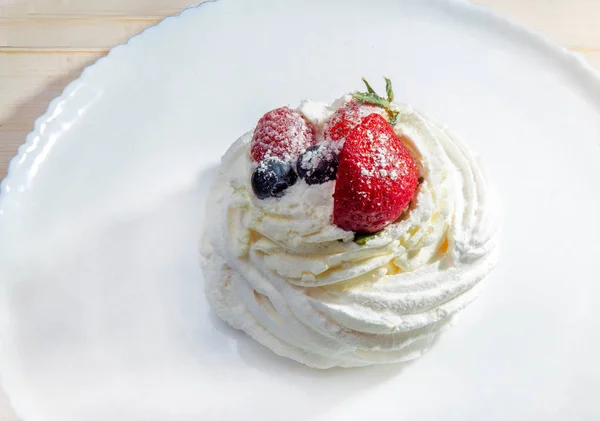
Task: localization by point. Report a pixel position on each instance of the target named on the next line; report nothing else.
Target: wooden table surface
(44, 44)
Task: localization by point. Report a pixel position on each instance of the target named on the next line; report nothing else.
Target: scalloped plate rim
(15, 168)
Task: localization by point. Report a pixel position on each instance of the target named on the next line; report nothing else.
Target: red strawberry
(376, 177)
(283, 133)
(346, 118)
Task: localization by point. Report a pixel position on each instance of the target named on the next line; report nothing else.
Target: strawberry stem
(369, 88)
(388, 89)
(371, 97)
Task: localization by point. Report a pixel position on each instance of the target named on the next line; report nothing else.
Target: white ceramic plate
(102, 314)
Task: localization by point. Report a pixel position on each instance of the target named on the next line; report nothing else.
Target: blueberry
(318, 164)
(272, 177)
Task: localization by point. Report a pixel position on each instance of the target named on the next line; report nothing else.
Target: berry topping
(283, 133)
(376, 178)
(346, 118)
(371, 97)
(318, 164)
(349, 115)
(272, 177)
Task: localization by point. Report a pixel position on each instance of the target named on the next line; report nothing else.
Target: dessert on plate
(350, 233)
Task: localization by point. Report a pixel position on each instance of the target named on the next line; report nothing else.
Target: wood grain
(44, 44)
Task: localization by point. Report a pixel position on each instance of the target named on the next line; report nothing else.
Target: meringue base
(233, 308)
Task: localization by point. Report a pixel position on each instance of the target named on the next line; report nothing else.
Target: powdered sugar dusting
(320, 158)
(368, 197)
(283, 133)
(347, 116)
(381, 164)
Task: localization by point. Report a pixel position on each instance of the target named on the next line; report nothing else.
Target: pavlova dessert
(350, 233)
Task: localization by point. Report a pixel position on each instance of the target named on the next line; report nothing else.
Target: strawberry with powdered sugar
(376, 178)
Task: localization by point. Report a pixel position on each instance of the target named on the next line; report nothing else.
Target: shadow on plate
(337, 384)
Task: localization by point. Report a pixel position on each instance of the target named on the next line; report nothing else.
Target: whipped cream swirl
(279, 270)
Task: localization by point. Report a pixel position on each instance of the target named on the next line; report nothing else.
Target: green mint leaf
(388, 89)
(361, 239)
(369, 88)
(371, 98)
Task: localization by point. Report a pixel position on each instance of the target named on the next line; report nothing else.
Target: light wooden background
(44, 44)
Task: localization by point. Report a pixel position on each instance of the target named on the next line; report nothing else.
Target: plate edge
(28, 145)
